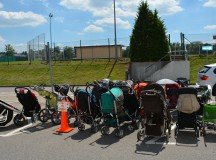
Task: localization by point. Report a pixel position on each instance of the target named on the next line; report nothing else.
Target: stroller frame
(148, 121)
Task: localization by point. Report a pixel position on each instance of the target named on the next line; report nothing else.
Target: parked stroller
(88, 105)
(50, 106)
(209, 118)
(113, 110)
(130, 103)
(187, 107)
(63, 96)
(155, 122)
(172, 95)
(30, 104)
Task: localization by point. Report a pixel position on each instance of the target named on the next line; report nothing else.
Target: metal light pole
(50, 50)
(115, 30)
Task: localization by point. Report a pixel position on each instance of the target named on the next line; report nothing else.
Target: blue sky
(74, 20)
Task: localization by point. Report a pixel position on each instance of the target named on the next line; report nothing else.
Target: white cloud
(210, 3)
(109, 21)
(2, 40)
(92, 29)
(210, 27)
(123, 8)
(102, 10)
(1, 5)
(19, 19)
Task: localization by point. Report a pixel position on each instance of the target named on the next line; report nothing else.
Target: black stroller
(187, 107)
(87, 103)
(31, 108)
(155, 122)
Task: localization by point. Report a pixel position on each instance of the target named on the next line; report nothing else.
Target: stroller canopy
(187, 101)
(166, 81)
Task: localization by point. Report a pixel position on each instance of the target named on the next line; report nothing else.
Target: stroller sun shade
(108, 100)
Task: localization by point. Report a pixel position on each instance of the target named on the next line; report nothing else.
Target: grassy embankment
(76, 72)
(70, 72)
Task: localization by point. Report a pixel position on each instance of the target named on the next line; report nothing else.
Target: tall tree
(68, 53)
(9, 50)
(148, 41)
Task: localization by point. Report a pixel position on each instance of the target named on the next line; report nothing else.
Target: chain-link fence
(36, 48)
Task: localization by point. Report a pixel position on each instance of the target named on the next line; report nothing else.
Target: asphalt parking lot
(41, 141)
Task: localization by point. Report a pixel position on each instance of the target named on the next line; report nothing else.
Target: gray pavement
(41, 141)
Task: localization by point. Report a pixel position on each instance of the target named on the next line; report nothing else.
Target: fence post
(50, 67)
(109, 48)
(29, 53)
(81, 49)
(92, 53)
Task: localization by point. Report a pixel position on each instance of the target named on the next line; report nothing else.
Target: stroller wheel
(56, 118)
(203, 132)
(94, 128)
(169, 129)
(167, 136)
(136, 124)
(105, 130)
(19, 120)
(140, 135)
(176, 132)
(197, 132)
(81, 127)
(6, 116)
(44, 115)
(131, 128)
(76, 123)
(119, 133)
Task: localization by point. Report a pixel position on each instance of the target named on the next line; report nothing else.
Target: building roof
(119, 45)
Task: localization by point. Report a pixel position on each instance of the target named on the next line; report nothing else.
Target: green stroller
(209, 118)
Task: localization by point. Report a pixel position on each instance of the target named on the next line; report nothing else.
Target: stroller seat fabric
(187, 103)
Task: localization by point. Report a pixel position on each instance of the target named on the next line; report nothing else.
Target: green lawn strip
(76, 72)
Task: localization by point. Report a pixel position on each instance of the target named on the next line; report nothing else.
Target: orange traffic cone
(65, 128)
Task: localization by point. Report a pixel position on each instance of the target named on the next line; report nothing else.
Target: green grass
(76, 72)
(70, 72)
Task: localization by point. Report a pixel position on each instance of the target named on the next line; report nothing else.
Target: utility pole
(50, 50)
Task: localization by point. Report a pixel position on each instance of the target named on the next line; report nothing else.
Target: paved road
(41, 141)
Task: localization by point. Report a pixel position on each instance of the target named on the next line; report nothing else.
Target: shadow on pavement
(8, 128)
(149, 149)
(210, 137)
(82, 135)
(39, 127)
(107, 140)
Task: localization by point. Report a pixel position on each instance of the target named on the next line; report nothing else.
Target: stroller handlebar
(94, 84)
(18, 89)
